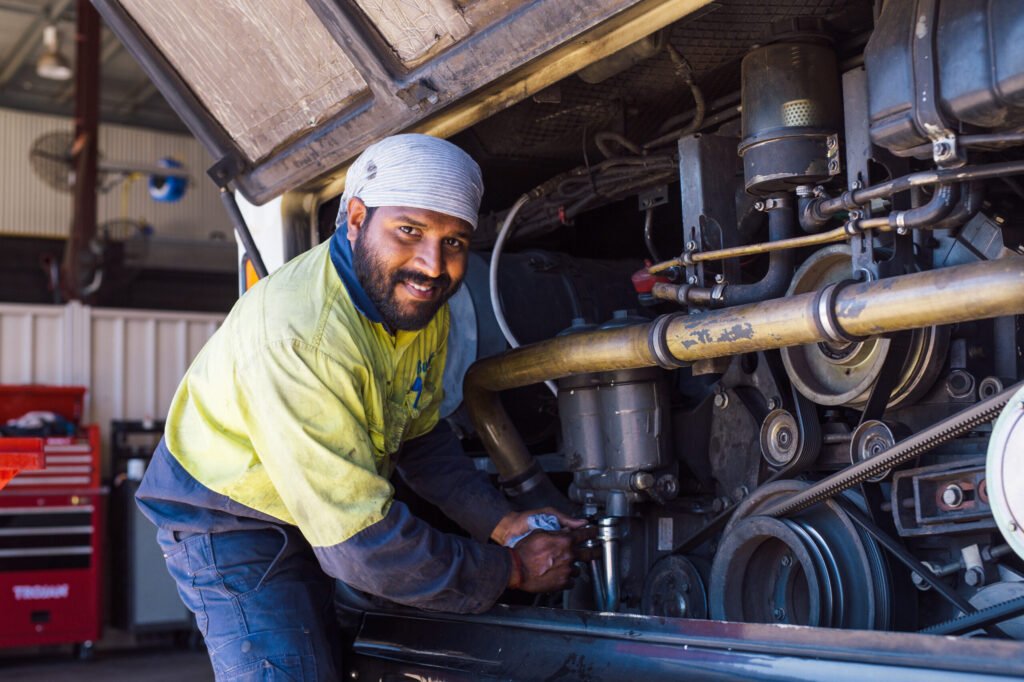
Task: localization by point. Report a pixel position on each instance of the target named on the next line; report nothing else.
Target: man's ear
(356, 216)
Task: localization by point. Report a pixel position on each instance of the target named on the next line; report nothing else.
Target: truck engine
(751, 446)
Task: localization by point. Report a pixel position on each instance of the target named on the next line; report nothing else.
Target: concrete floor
(153, 665)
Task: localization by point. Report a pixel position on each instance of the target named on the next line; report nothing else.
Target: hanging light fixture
(52, 63)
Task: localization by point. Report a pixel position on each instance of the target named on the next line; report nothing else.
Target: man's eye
(407, 229)
(453, 243)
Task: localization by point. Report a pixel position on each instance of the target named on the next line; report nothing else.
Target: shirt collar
(341, 257)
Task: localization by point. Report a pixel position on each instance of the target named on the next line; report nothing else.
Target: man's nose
(429, 258)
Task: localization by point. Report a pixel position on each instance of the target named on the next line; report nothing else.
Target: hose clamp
(524, 482)
(825, 319)
(657, 343)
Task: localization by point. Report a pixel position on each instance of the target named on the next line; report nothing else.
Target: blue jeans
(261, 601)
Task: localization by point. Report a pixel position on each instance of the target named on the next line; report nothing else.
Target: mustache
(443, 282)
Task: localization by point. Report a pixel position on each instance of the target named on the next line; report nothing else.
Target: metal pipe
(242, 230)
(946, 296)
(831, 237)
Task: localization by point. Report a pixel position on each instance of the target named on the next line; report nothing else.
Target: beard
(381, 287)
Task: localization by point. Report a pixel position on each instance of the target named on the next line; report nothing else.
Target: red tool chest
(51, 521)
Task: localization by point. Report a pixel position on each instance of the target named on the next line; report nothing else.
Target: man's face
(409, 260)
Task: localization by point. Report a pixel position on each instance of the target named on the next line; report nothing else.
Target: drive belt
(904, 451)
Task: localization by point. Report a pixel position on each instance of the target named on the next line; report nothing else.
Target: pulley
(815, 568)
(843, 371)
(674, 589)
(1004, 471)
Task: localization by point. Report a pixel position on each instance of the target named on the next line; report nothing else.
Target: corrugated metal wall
(32, 208)
(131, 361)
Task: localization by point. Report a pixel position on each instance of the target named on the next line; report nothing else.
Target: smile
(420, 291)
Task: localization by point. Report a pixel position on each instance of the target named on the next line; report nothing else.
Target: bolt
(721, 400)
(975, 576)
(919, 582)
(758, 205)
(353, 674)
(902, 231)
(778, 613)
(787, 560)
(953, 496)
(773, 403)
(942, 150)
(643, 480)
(1000, 220)
(719, 278)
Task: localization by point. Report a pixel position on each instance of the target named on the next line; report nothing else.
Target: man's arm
(307, 426)
(435, 466)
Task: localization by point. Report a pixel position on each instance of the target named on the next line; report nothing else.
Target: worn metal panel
(514, 49)
(265, 70)
(32, 208)
(414, 29)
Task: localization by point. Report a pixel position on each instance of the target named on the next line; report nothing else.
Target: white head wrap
(418, 171)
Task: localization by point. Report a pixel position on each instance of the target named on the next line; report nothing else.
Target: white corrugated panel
(33, 339)
(29, 207)
(131, 361)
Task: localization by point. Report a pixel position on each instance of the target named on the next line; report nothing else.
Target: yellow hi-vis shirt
(297, 403)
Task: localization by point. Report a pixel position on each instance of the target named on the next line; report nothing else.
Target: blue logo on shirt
(417, 385)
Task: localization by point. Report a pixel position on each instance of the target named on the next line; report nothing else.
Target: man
(272, 478)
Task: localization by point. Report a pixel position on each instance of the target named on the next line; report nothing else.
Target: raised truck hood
(285, 93)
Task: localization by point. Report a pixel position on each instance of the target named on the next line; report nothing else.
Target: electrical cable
(492, 278)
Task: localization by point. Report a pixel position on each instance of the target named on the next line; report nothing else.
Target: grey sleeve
(435, 466)
(405, 560)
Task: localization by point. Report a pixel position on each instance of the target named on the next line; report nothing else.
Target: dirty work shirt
(295, 412)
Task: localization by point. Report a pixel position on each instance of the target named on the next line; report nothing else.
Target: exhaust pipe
(841, 312)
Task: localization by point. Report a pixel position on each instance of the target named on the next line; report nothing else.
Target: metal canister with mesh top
(792, 110)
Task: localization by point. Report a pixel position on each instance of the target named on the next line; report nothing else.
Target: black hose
(244, 236)
(966, 208)
(937, 208)
(852, 200)
(781, 225)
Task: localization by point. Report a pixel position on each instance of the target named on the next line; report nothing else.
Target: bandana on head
(415, 170)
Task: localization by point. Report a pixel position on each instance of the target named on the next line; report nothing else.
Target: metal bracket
(653, 197)
(832, 145)
(945, 150)
(418, 95)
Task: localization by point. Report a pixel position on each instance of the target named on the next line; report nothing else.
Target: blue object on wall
(167, 189)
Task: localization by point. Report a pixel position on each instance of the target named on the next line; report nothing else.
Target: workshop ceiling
(126, 94)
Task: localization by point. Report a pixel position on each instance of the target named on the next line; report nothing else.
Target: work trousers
(262, 603)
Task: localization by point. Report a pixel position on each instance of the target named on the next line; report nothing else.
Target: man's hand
(514, 524)
(543, 561)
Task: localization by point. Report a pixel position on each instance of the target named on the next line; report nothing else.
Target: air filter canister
(791, 109)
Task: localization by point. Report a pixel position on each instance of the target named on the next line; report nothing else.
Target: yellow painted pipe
(945, 296)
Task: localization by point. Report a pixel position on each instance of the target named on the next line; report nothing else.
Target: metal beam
(19, 7)
(30, 40)
(85, 149)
